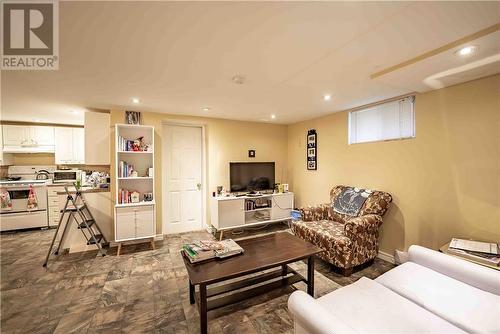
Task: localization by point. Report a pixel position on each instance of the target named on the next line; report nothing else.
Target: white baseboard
(386, 257)
(158, 237)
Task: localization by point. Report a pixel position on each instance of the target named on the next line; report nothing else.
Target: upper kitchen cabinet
(70, 146)
(5, 159)
(28, 139)
(97, 129)
(42, 136)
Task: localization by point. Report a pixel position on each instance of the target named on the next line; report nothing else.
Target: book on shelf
(203, 250)
(124, 196)
(125, 144)
(124, 169)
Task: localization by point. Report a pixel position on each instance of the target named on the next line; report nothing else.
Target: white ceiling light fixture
(135, 100)
(327, 97)
(468, 50)
(205, 109)
(273, 116)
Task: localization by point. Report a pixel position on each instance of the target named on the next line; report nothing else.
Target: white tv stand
(229, 212)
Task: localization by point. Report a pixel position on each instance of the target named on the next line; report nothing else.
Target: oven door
(19, 198)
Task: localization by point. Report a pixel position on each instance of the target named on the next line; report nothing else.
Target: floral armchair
(348, 241)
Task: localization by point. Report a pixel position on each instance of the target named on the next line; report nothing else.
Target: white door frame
(204, 183)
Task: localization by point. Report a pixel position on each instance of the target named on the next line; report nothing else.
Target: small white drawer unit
(54, 204)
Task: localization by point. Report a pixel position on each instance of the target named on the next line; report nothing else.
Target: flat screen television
(251, 176)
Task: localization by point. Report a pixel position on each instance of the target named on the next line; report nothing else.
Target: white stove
(22, 182)
(18, 209)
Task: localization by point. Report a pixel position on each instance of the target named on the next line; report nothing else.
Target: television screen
(251, 176)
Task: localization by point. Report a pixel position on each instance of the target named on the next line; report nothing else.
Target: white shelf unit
(231, 212)
(134, 221)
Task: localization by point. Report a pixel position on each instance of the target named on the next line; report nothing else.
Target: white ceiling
(178, 57)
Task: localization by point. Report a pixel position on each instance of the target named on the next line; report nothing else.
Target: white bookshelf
(134, 220)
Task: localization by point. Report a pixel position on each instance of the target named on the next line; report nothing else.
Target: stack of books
(124, 144)
(482, 252)
(202, 250)
(124, 169)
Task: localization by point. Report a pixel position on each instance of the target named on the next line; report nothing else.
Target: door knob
(198, 185)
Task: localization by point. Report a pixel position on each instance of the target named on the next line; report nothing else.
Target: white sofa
(431, 293)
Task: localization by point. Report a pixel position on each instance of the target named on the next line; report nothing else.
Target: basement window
(386, 121)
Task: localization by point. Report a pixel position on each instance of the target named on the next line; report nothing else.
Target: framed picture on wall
(311, 139)
(133, 117)
(312, 153)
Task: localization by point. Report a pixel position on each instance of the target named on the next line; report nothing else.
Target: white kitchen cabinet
(125, 230)
(28, 139)
(144, 216)
(64, 145)
(54, 204)
(134, 222)
(5, 159)
(15, 135)
(79, 145)
(42, 135)
(97, 132)
(70, 146)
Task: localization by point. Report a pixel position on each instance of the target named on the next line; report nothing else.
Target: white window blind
(391, 120)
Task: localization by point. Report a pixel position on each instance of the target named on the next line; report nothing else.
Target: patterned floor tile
(141, 291)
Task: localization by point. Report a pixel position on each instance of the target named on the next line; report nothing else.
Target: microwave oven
(66, 176)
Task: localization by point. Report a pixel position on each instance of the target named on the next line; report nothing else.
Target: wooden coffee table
(261, 253)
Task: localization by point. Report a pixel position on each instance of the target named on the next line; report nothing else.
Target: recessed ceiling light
(205, 109)
(465, 51)
(327, 97)
(36, 120)
(135, 100)
(273, 116)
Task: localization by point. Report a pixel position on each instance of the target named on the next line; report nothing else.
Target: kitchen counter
(86, 190)
(50, 184)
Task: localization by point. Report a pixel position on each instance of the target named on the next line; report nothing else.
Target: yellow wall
(225, 141)
(445, 182)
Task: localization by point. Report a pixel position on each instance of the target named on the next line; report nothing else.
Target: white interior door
(182, 178)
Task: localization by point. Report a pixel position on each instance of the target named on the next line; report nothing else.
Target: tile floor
(141, 291)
